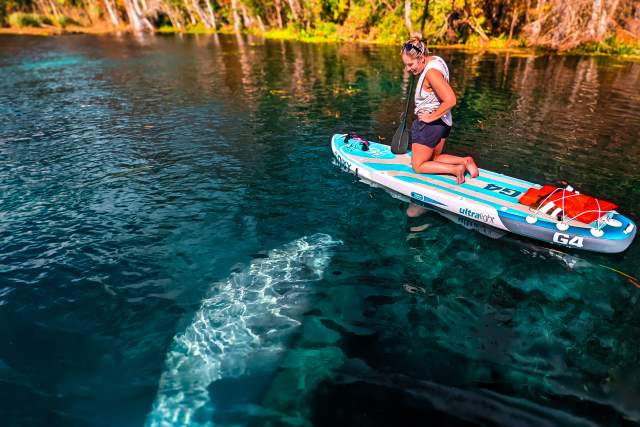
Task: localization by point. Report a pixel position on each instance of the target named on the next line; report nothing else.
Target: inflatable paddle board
(491, 198)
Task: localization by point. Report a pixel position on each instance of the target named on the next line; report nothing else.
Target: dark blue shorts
(429, 134)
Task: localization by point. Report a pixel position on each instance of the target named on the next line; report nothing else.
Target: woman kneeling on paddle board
(434, 100)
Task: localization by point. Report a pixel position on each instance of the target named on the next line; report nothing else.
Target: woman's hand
(425, 116)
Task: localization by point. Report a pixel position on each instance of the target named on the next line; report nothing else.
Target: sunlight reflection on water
(137, 172)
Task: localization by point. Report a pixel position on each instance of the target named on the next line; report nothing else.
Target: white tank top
(429, 101)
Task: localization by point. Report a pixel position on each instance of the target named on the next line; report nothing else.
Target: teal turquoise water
(177, 246)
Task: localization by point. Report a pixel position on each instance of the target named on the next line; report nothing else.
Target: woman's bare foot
(471, 166)
(415, 210)
(459, 171)
(419, 228)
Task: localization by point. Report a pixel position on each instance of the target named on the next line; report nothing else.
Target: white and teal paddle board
(491, 198)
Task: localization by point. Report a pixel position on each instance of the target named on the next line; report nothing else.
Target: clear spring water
(177, 247)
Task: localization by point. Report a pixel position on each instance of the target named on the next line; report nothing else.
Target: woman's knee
(417, 161)
(421, 154)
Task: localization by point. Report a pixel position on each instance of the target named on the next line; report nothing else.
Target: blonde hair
(415, 47)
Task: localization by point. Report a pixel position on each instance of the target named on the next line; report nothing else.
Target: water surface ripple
(144, 180)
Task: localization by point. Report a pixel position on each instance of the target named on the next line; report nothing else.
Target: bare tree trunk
(425, 14)
(605, 18)
(212, 16)
(138, 8)
(137, 21)
(293, 4)
(176, 18)
(475, 26)
(54, 9)
(261, 24)
(514, 19)
(389, 7)
(596, 10)
(203, 17)
(600, 17)
(188, 8)
(449, 29)
(278, 5)
(567, 24)
(407, 15)
(93, 10)
(134, 21)
(246, 18)
(40, 8)
(536, 26)
(113, 14)
(140, 11)
(236, 18)
(539, 7)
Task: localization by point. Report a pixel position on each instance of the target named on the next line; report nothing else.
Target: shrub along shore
(588, 26)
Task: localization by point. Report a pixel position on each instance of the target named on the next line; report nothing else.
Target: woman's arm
(443, 91)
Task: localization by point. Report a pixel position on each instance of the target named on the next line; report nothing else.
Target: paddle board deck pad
(491, 198)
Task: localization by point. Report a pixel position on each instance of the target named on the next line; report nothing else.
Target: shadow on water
(137, 172)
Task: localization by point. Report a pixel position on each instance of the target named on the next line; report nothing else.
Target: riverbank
(51, 30)
(613, 48)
